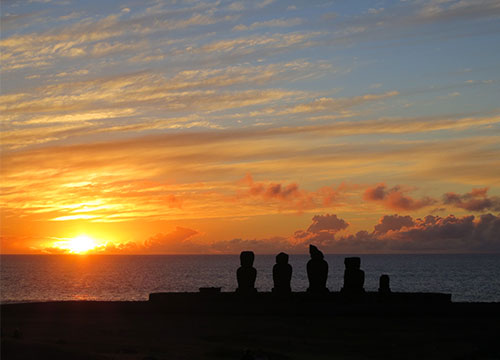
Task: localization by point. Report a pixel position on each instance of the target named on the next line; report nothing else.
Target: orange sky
(217, 127)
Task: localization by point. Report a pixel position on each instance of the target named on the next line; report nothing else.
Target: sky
(209, 127)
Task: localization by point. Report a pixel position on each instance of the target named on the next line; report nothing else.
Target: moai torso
(354, 277)
(317, 271)
(246, 273)
(282, 274)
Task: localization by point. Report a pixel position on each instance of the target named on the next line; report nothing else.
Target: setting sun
(81, 244)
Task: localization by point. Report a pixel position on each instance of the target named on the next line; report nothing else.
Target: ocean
(27, 278)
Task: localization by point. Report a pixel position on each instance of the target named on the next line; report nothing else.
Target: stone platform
(301, 303)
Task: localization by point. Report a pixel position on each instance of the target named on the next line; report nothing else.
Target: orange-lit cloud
(393, 223)
(476, 200)
(321, 232)
(177, 241)
(395, 198)
(290, 196)
(110, 181)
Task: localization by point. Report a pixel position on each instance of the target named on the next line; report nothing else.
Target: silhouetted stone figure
(354, 278)
(246, 273)
(317, 271)
(384, 285)
(282, 274)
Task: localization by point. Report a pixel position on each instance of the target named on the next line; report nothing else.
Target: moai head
(246, 258)
(352, 263)
(282, 258)
(315, 253)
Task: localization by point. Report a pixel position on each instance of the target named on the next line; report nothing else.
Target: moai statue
(354, 277)
(282, 274)
(384, 285)
(317, 271)
(246, 273)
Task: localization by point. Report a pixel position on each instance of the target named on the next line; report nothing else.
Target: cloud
(447, 234)
(272, 190)
(290, 196)
(321, 232)
(337, 104)
(212, 95)
(257, 44)
(177, 241)
(403, 21)
(19, 21)
(411, 14)
(262, 246)
(269, 23)
(476, 200)
(263, 3)
(236, 6)
(55, 251)
(119, 174)
(156, 102)
(393, 222)
(432, 234)
(15, 109)
(450, 233)
(327, 222)
(392, 234)
(129, 247)
(98, 36)
(437, 10)
(395, 198)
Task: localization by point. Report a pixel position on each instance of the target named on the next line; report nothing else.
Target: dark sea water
(100, 277)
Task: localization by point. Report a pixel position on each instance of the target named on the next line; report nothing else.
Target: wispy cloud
(332, 104)
(269, 24)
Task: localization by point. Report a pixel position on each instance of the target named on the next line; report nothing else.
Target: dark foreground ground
(142, 330)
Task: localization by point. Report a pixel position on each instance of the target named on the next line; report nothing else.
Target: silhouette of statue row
(317, 274)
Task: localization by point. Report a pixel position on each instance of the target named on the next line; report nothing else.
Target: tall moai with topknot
(246, 273)
(354, 277)
(317, 271)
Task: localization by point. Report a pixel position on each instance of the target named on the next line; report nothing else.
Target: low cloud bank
(392, 234)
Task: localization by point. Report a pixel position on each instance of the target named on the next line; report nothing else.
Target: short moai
(317, 271)
(384, 285)
(246, 273)
(354, 277)
(282, 274)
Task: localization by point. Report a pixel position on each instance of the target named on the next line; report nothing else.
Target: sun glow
(80, 244)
